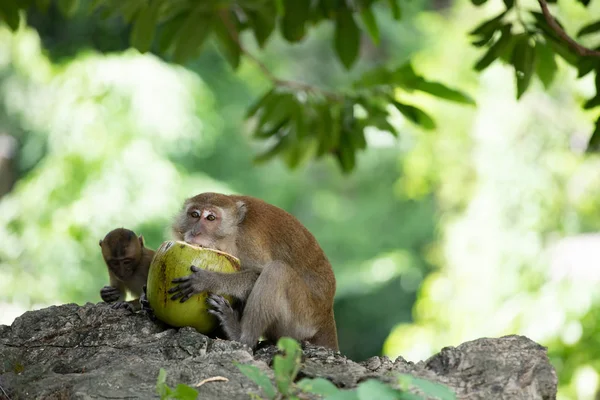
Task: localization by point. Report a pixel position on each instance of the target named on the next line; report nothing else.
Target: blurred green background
(483, 227)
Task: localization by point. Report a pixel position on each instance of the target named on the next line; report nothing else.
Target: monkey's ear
(100, 243)
(242, 209)
(141, 238)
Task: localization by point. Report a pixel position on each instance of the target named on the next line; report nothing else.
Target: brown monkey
(286, 281)
(128, 262)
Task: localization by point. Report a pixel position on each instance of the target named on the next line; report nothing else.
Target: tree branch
(265, 70)
(581, 50)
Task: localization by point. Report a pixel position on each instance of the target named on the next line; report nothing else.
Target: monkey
(286, 281)
(128, 262)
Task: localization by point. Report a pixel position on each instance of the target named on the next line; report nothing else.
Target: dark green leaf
(142, 32)
(368, 19)
(256, 376)
(168, 32)
(293, 22)
(489, 26)
(263, 23)
(592, 103)
(9, 13)
(443, 92)
(271, 129)
(509, 4)
(496, 49)
(375, 77)
(318, 386)
(545, 65)
(260, 103)
(589, 29)
(42, 5)
(523, 60)
(228, 41)
(184, 392)
(346, 156)
(67, 7)
(374, 389)
(396, 10)
(415, 115)
(478, 2)
(594, 142)
(276, 149)
(192, 35)
(347, 37)
(584, 2)
(275, 109)
(586, 65)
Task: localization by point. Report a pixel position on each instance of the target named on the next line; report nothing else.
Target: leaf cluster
(287, 365)
(525, 40)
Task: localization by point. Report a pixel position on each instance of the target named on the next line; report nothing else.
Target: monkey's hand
(228, 317)
(145, 305)
(110, 294)
(198, 281)
(123, 305)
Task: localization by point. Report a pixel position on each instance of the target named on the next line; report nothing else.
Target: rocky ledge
(95, 352)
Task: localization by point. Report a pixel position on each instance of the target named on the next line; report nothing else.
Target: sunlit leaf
(443, 92)
(370, 22)
(489, 26)
(184, 392)
(347, 37)
(318, 386)
(258, 377)
(545, 65)
(415, 115)
(496, 49)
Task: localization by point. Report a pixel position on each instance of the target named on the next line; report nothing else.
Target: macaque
(128, 262)
(286, 282)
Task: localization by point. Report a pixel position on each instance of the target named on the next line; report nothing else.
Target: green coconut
(173, 260)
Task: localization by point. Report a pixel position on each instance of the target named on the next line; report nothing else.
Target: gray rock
(95, 352)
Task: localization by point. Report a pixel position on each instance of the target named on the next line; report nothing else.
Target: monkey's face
(122, 251)
(206, 225)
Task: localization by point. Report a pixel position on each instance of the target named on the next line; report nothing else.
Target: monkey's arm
(238, 284)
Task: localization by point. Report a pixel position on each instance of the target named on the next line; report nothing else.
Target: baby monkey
(128, 262)
(286, 282)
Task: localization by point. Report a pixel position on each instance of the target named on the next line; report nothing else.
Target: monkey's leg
(280, 304)
(145, 305)
(227, 315)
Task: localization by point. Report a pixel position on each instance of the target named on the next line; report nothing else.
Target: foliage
(181, 391)
(286, 368)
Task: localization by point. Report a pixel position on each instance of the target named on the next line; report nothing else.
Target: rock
(93, 351)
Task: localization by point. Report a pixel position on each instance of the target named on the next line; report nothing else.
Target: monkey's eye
(127, 261)
(195, 214)
(211, 217)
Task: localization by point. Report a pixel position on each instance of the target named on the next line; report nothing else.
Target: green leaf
(185, 392)
(374, 389)
(253, 109)
(545, 64)
(594, 142)
(9, 13)
(368, 18)
(192, 35)
(42, 5)
(68, 7)
(169, 31)
(523, 60)
(489, 26)
(415, 115)
(293, 22)
(275, 109)
(347, 37)
(443, 92)
(281, 145)
(586, 65)
(256, 376)
(286, 366)
(478, 2)
(433, 388)
(318, 386)
(496, 49)
(228, 44)
(584, 2)
(263, 23)
(589, 29)
(396, 10)
(563, 50)
(509, 4)
(161, 384)
(142, 32)
(343, 395)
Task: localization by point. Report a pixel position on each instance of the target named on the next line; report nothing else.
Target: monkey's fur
(128, 262)
(286, 281)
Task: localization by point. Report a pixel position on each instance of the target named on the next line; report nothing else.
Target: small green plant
(181, 391)
(287, 365)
